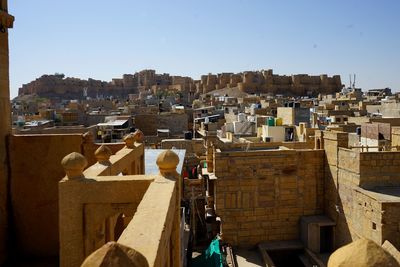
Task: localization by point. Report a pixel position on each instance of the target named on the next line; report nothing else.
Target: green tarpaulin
(211, 257)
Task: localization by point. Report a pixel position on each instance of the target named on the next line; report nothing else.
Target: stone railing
(110, 201)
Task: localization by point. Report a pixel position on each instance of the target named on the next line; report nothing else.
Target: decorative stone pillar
(71, 210)
(167, 162)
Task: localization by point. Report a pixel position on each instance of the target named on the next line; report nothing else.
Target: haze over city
(102, 40)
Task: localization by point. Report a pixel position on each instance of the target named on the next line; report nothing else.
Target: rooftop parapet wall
(95, 192)
(142, 212)
(379, 169)
(371, 168)
(351, 179)
(34, 192)
(259, 146)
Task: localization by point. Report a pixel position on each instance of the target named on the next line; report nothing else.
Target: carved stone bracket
(6, 20)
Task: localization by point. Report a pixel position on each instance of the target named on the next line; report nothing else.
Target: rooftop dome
(362, 252)
(115, 254)
(167, 160)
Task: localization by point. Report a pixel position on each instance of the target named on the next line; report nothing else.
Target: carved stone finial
(88, 137)
(74, 164)
(167, 162)
(103, 154)
(129, 140)
(138, 136)
(115, 254)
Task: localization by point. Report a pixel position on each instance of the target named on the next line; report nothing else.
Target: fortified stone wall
(73, 88)
(249, 82)
(58, 86)
(261, 195)
(267, 82)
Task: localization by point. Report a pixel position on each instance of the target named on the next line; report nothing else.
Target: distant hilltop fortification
(251, 82)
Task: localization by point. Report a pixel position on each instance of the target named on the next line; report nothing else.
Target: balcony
(113, 211)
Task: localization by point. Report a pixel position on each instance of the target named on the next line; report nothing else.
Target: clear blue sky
(104, 39)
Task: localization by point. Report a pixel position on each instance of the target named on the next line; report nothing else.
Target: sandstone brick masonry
(149, 123)
(261, 195)
(379, 169)
(361, 192)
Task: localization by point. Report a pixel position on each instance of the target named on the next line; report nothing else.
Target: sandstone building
(120, 202)
(263, 82)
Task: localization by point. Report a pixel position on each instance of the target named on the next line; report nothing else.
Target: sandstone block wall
(351, 178)
(35, 173)
(261, 195)
(390, 220)
(149, 123)
(379, 169)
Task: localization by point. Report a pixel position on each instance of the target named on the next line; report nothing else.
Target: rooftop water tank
(271, 121)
